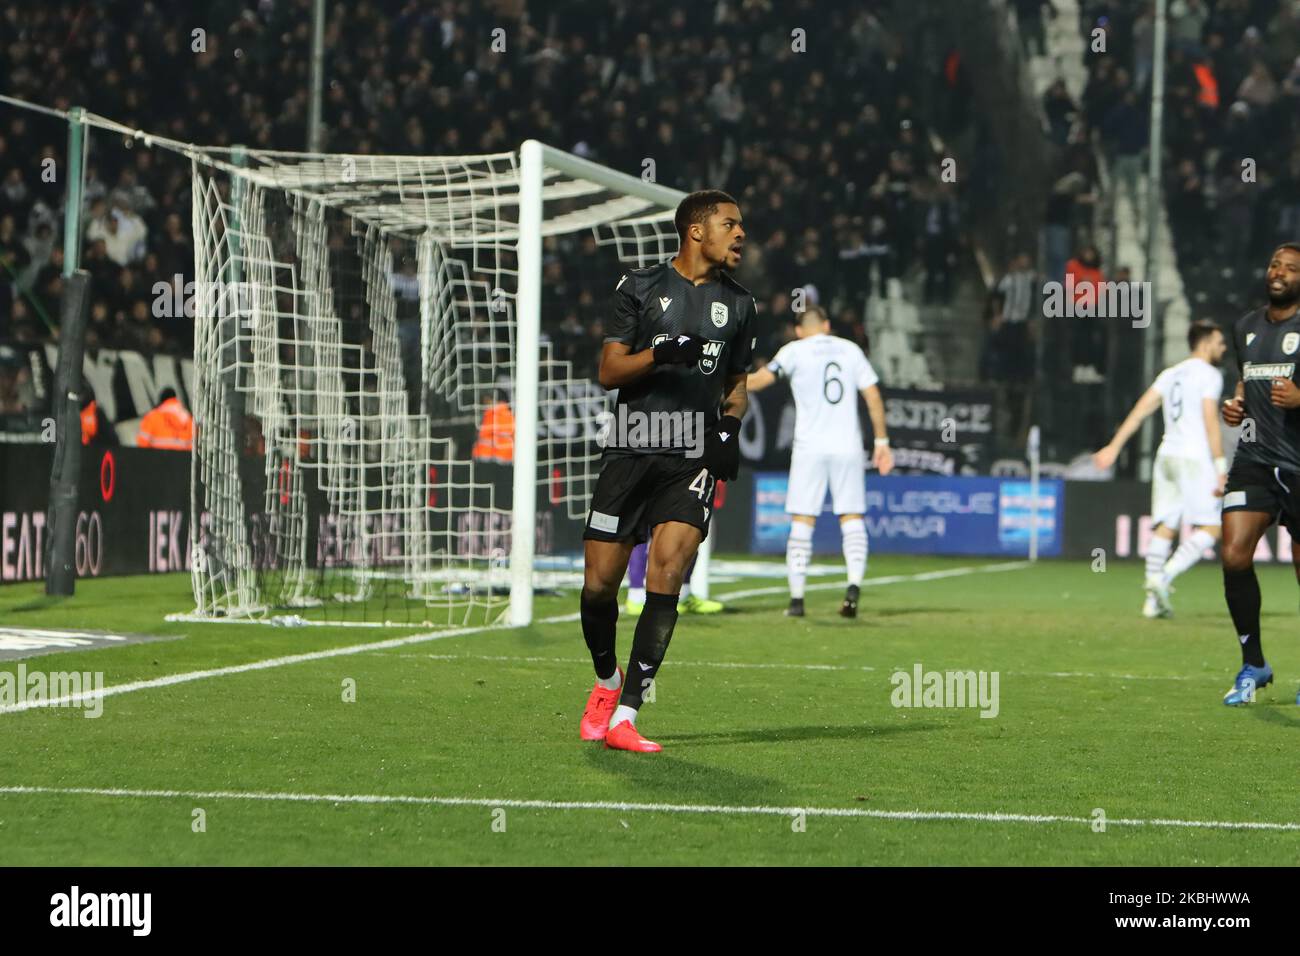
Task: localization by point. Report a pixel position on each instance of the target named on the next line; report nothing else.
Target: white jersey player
(1188, 475)
(826, 374)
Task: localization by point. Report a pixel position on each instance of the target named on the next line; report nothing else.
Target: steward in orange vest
(169, 426)
(89, 421)
(496, 435)
(96, 429)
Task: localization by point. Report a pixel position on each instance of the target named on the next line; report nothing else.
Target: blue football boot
(1249, 680)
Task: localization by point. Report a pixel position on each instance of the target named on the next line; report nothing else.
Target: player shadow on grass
(788, 734)
(828, 617)
(1282, 712)
(672, 775)
(867, 614)
(42, 603)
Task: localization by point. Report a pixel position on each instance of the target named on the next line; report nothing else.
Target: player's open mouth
(1277, 286)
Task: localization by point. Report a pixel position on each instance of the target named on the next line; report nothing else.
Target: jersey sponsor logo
(664, 302)
(1250, 337)
(1290, 342)
(709, 359)
(1253, 370)
(719, 314)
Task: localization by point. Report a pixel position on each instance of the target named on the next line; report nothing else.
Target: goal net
(395, 417)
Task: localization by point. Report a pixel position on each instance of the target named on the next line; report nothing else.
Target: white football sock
(798, 552)
(636, 595)
(621, 713)
(613, 682)
(1188, 553)
(853, 540)
(1157, 555)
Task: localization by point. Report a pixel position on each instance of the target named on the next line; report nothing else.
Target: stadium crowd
(826, 153)
(1231, 172)
(1231, 161)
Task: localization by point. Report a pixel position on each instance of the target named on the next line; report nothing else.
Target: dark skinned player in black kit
(677, 350)
(1264, 483)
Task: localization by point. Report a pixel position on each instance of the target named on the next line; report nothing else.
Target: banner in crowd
(931, 432)
(920, 514)
(125, 384)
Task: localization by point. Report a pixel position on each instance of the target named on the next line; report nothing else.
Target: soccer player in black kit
(1264, 483)
(678, 349)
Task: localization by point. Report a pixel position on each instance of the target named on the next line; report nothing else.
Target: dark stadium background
(835, 156)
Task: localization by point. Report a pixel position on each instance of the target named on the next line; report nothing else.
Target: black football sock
(1241, 588)
(654, 630)
(598, 621)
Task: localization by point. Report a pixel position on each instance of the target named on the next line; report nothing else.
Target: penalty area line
(626, 807)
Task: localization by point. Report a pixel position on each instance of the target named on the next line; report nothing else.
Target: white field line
(747, 665)
(886, 579)
(742, 665)
(273, 662)
(671, 808)
(262, 665)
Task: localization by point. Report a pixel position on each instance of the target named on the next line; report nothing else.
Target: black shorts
(636, 492)
(1255, 487)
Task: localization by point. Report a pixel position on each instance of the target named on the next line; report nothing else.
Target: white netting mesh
(354, 380)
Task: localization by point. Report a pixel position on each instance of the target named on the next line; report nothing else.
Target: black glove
(680, 350)
(722, 449)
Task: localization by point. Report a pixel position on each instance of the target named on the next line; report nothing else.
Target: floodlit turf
(1097, 709)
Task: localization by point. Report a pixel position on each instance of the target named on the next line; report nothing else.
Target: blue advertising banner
(921, 514)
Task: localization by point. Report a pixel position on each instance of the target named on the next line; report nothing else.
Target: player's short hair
(1293, 246)
(810, 316)
(1200, 330)
(697, 207)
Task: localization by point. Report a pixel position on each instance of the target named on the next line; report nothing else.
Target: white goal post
(356, 319)
(534, 159)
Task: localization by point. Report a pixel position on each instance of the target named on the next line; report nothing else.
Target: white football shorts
(1182, 489)
(812, 474)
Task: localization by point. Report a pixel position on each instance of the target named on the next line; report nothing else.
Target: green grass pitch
(759, 716)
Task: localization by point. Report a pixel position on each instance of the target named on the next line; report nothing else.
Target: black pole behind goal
(65, 407)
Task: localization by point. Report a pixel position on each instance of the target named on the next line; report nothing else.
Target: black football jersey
(658, 302)
(1265, 351)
